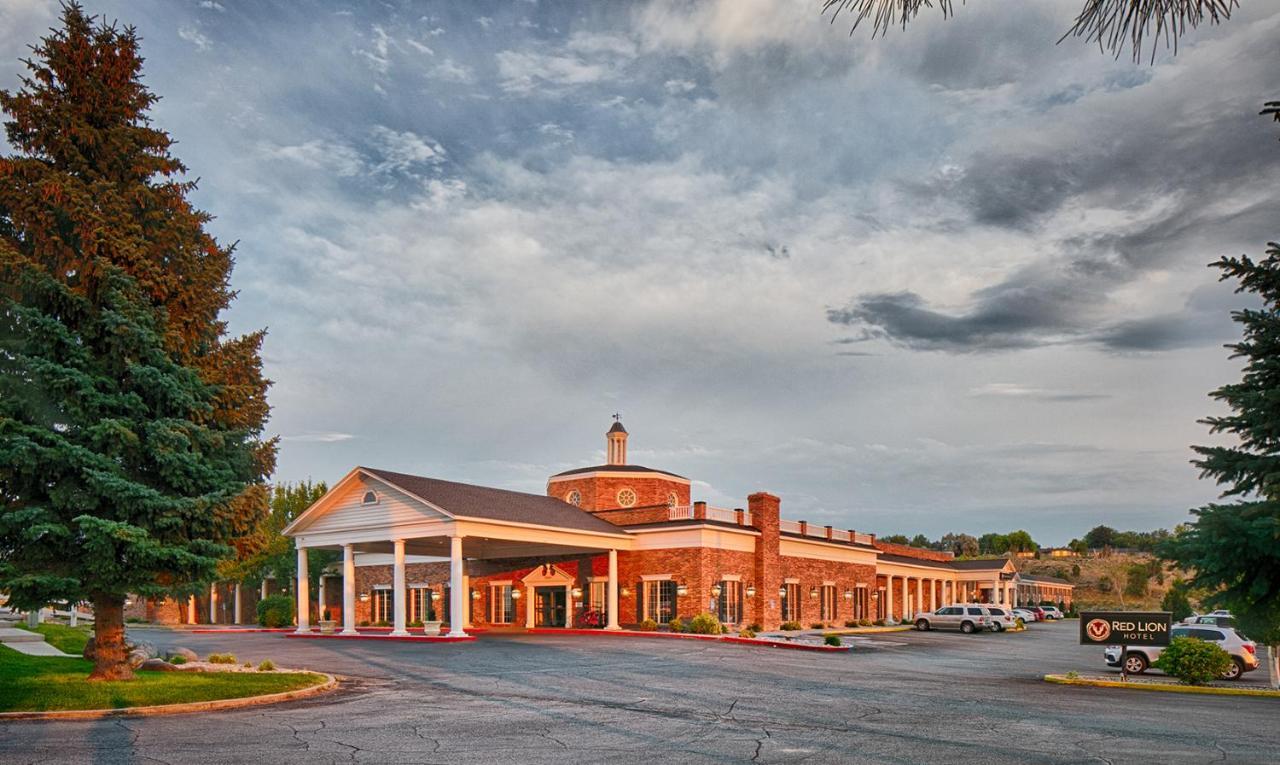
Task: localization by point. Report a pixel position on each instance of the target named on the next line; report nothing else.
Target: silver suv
(966, 617)
(1244, 656)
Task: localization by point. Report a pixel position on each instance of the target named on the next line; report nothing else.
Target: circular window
(626, 498)
(672, 500)
(574, 498)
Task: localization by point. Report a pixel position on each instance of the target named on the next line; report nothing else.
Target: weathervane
(617, 417)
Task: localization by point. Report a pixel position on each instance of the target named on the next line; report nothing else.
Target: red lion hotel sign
(1149, 628)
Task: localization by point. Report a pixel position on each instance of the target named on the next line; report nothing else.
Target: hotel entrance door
(549, 606)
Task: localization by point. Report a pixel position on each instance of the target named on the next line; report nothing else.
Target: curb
(869, 630)
(217, 705)
(759, 643)
(401, 638)
(1203, 690)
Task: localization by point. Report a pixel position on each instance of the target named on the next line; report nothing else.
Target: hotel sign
(1125, 628)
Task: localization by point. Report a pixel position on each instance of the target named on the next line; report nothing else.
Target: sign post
(1125, 628)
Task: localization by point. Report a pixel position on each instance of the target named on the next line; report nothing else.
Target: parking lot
(937, 697)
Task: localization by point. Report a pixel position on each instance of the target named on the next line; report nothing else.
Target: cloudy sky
(952, 279)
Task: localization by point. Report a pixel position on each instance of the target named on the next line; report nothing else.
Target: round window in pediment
(626, 498)
(574, 498)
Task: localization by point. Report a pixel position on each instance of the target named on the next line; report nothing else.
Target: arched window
(574, 498)
(370, 498)
(672, 500)
(626, 498)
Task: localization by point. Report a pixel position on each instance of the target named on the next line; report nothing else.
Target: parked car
(1026, 616)
(966, 617)
(1036, 611)
(1244, 652)
(1216, 618)
(1001, 619)
(1051, 612)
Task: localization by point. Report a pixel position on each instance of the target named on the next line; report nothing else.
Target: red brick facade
(601, 492)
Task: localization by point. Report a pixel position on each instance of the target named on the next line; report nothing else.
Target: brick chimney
(765, 514)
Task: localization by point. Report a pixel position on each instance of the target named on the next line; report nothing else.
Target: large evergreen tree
(120, 470)
(1234, 548)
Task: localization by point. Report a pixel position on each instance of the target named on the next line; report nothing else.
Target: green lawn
(37, 683)
(66, 639)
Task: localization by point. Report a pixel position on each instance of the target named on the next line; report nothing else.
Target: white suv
(1052, 612)
(1244, 656)
(1001, 619)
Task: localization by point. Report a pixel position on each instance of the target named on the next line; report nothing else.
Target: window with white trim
(383, 605)
(502, 607)
(597, 597)
(369, 498)
(421, 609)
(672, 499)
(660, 600)
(729, 605)
(827, 603)
(790, 602)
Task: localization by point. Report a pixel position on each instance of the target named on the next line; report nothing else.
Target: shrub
(1018, 623)
(177, 660)
(275, 611)
(382, 623)
(790, 626)
(865, 622)
(747, 633)
(248, 664)
(1075, 570)
(1073, 675)
(1176, 601)
(817, 626)
(1105, 584)
(878, 623)
(753, 627)
(326, 615)
(851, 622)
(133, 620)
(222, 658)
(705, 624)
(1135, 581)
(1193, 661)
(833, 640)
(416, 623)
(267, 665)
(648, 625)
(675, 625)
(363, 623)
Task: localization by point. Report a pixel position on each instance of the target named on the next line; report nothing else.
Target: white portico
(379, 511)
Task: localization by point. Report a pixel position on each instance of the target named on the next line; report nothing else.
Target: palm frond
(1115, 24)
(883, 13)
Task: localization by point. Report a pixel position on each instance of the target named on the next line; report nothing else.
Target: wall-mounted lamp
(475, 594)
(715, 590)
(751, 591)
(682, 590)
(515, 594)
(782, 591)
(875, 596)
(364, 597)
(848, 594)
(813, 593)
(435, 594)
(577, 593)
(625, 592)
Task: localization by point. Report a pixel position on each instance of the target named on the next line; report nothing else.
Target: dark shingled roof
(888, 558)
(470, 501)
(618, 469)
(617, 427)
(982, 564)
(1045, 579)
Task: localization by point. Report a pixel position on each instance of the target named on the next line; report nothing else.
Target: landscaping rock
(157, 665)
(138, 658)
(185, 653)
(145, 648)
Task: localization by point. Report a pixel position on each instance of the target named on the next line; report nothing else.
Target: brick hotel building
(610, 545)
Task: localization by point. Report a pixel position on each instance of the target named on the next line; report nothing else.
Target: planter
(328, 626)
(431, 628)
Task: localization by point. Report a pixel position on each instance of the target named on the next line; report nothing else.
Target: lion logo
(1098, 629)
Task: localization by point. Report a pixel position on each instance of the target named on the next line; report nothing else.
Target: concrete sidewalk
(25, 641)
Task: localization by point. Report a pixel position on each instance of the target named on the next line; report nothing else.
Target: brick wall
(601, 493)
(813, 573)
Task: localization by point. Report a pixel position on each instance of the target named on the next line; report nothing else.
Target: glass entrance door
(549, 606)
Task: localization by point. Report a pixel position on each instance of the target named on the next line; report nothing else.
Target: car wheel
(1135, 664)
(1236, 671)
(922, 625)
(967, 628)
(997, 627)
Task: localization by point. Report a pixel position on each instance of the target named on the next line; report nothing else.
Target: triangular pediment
(546, 575)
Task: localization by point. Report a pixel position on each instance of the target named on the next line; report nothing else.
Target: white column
(304, 592)
(191, 609)
(398, 596)
(73, 618)
(611, 599)
(995, 590)
(469, 600)
(906, 599)
(236, 619)
(528, 607)
(213, 602)
(888, 598)
(349, 590)
(263, 594)
(321, 596)
(457, 590)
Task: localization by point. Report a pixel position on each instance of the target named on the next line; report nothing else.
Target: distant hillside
(1091, 575)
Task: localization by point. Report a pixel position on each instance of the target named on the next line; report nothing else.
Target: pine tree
(93, 200)
(1234, 549)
